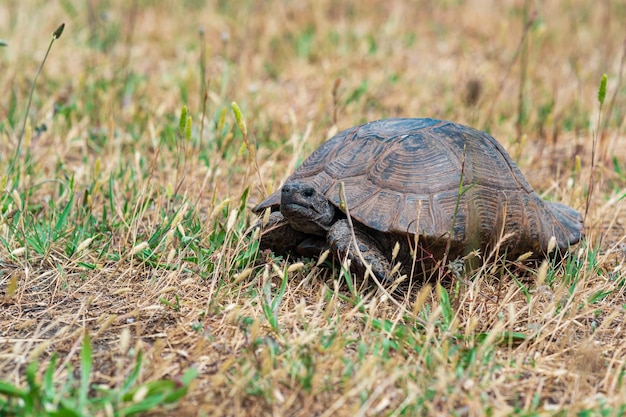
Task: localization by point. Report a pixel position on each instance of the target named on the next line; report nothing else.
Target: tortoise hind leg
(568, 224)
(340, 240)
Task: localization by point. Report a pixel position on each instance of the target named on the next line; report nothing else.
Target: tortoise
(433, 188)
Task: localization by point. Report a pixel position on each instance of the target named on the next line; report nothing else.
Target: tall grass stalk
(55, 35)
(131, 15)
(518, 51)
(618, 88)
(241, 123)
(601, 97)
(523, 70)
(204, 83)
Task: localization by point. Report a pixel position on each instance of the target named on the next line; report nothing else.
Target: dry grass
(165, 266)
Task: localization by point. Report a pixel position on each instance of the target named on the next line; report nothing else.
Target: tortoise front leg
(278, 235)
(282, 239)
(340, 240)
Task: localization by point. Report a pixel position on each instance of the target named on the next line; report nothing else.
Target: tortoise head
(306, 209)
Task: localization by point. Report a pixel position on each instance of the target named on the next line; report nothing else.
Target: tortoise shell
(435, 178)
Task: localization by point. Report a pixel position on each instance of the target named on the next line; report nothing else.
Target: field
(129, 281)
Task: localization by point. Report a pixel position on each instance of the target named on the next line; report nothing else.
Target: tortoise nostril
(286, 189)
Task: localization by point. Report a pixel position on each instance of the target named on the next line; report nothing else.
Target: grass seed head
(182, 121)
(58, 32)
(140, 247)
(84, 245)
(232, 218)
(602, 89)
(542, 273)
(239, 118)
(551, 244)
(18, 252)
(323, 257)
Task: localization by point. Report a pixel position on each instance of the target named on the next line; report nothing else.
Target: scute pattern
(396, 168)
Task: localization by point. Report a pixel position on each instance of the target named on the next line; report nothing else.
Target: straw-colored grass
(120, 222)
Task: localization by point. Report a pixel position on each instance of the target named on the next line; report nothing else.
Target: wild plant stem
(620, 72)
(601, 97)
(203, 79)
(251, 150)
(523, 71)
(527, 27)
(131, 14)
(55, 35)
(336, 99)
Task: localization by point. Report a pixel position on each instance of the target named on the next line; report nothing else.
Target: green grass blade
(134, 375)
(11, 390)
(60, 225)
(85, 372)
(446, 309)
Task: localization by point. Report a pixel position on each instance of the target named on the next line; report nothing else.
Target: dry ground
(164, 266)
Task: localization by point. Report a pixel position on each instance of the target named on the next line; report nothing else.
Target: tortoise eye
(308, 192)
